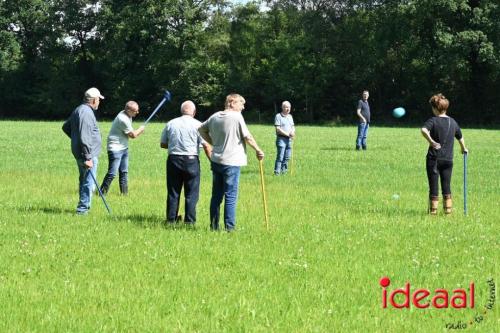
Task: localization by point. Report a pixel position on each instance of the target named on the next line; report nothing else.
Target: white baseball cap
(93, 93)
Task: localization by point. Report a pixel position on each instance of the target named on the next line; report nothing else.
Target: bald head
(132, 108)
(188, 108)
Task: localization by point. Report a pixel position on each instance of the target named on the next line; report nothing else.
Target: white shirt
(118, 135)
(182, 137)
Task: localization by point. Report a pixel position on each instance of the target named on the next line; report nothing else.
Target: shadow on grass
(388, 211)
(337, 148)
(153, 221)
(379, 148)
(142, 220)
(45, 210)
(247, 171)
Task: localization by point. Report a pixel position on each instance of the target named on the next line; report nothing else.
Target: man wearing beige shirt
(227, 132)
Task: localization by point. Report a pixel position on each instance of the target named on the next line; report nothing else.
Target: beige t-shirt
(227, 131)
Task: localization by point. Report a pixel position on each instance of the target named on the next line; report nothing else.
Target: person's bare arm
(207, 148)
(136, 133)
(363, 119)
(252, 143)
(203, 130)
(462, 146)
(427, 135)
(279, 131)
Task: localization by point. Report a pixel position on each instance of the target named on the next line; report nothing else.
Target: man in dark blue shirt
(363, 112)
(82, 128)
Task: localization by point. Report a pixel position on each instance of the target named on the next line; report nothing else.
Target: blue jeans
(362, 134)
(86, 185)
(118, 162)
(225, 183)
(284, 151)
(183, 171)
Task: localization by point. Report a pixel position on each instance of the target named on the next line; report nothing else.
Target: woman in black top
(439, 131)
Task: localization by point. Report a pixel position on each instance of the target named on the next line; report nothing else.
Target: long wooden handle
(465, 184)
(263, 189)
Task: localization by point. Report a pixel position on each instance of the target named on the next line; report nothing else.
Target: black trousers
(183, 171)
(437, 169)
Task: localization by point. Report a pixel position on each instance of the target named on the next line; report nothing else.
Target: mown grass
(335, 230)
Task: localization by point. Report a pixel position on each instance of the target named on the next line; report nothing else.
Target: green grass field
(335, 230)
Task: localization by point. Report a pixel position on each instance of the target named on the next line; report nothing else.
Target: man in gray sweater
(228, 133)
(81, 127)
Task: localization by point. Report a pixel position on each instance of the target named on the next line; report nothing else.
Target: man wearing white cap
(82, 128)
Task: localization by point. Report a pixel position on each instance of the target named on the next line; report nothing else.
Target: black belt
(191, 157)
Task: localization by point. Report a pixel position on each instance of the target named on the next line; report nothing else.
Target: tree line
(318, 54)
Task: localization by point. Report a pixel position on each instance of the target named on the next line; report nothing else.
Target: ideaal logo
(421, 298)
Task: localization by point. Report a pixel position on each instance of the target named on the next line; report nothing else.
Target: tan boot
(433, 205)
(447, 204)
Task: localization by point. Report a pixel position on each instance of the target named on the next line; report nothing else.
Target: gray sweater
(82, 128)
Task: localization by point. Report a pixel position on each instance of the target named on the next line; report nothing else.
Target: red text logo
(423, 298)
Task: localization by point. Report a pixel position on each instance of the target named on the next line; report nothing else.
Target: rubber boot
(447, 204)
(106, 183)
(123, 183)
(124, 189)
(104, 189)
(433, 205)
(167, 221)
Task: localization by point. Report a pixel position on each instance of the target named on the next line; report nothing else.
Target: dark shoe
(174, 221)
(364, 147)
(124, 189)
(358, 148)
(190, 225)
(214, 226)
(106, 183)
(104, 190)
(169, 224)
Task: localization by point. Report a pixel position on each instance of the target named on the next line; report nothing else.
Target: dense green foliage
(335, 230)
(319, 54)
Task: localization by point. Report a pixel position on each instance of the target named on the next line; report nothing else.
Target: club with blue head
(166, 97)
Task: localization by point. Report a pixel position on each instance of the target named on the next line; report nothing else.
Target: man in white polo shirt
(285, 133)
(121, 131)
(180, 136)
